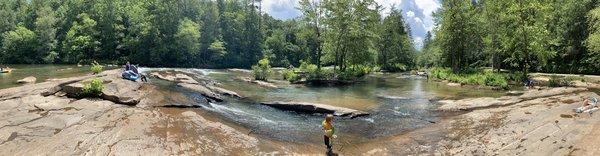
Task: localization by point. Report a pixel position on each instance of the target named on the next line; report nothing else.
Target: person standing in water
(328, 130)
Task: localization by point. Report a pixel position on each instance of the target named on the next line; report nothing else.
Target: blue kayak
(130, 75)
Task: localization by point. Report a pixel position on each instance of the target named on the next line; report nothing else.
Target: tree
(593, 41)
(351, 32)
(187, 39)
(458, 35)
(80, 43)
(527, 40)
(18, 45)
(45, 28)
(312, 22)
(217, 48)
(395, 50)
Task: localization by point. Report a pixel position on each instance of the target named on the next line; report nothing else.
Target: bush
(353, 73)
(291, 75)
(93, 89)
(557, 81)
(398, 67)
(96, 68)
(473, 77)
(262, 70)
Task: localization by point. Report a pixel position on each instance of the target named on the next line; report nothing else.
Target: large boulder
(122, 92)
(306, 107)
(116, 89)
(212, 96)
(74, 89)
(27, 80)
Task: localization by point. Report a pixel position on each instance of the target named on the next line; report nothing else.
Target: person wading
(329, 131)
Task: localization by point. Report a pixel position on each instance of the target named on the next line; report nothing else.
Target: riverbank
(539, 121)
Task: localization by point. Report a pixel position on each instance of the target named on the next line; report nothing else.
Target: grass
(483, 78)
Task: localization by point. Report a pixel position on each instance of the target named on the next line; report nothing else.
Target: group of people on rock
(131, 73)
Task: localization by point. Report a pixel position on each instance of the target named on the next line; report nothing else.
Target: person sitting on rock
(588, 105)
(329, 131)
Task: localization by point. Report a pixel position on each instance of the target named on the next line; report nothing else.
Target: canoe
(6, 71)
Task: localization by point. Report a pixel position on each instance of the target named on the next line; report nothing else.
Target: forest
(559, 36)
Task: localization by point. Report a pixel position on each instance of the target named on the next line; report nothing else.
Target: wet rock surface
(259, 83)
(202, 85)
(202, 90)
(27, 80)
(306, 107)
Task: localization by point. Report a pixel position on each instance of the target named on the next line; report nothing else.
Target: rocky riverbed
(43, 118)
(33, 124)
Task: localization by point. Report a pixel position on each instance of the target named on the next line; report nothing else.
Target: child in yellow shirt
(328, 130)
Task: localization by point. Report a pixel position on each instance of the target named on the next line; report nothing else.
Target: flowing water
(397, 103)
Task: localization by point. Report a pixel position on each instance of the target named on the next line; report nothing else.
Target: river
(397, 103)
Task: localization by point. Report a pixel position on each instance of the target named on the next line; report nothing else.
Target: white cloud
(281, 9)
(410, 14)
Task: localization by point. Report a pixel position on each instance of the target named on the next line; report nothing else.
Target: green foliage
(352, 32)
(291, 75)
(218, 48)
(262, 70)
(93, 89)
(558, 81)
(396, 52)
(187, 39)
(593, 41)
(484, 78)
(96, 68)
(80, 42)
(18, 45)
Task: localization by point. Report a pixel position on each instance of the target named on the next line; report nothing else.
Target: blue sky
(416, 12)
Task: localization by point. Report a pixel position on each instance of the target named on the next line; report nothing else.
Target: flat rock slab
(202, 90)
(27, 80)
(174, 77)
(223, 91)
(477, 103)
(306, 107)
(260, 83)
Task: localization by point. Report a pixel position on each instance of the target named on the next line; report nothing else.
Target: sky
(416, 12)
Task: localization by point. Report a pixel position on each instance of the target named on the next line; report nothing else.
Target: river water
(397, 103)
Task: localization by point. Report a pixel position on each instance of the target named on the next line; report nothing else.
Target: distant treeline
(561, 36)
(533, 35)
(202, 33)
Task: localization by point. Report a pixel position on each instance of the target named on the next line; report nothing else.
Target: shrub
(291, 75)
(473, 77)
(96, 68)
(354, 72)
(398, 67)
(93, 89)
(557, 81)
(262, 70)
